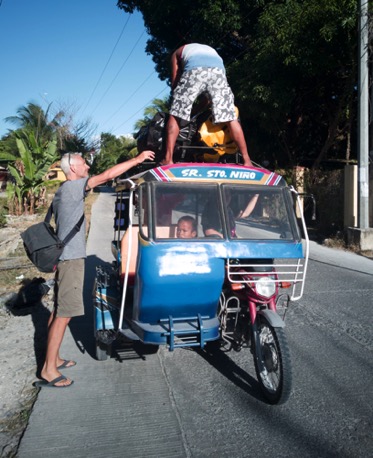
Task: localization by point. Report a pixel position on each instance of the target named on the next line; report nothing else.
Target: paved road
(193, 404)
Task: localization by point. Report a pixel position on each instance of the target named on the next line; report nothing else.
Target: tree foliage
(70, 135)
(162, 105)
(33, 118)
(28, 169)
(292, 65)
(113, 150)
(37, 143)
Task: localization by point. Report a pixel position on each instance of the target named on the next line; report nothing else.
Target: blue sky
(80, 54)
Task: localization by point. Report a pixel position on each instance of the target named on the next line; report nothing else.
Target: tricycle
(205, 255)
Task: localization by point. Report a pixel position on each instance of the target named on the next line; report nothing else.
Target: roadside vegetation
(292, 67)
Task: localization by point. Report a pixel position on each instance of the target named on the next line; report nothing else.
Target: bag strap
(48, 216)
(73, 231)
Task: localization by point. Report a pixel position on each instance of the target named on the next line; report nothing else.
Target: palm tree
(70, 135)
(33, 118)
(162, 105)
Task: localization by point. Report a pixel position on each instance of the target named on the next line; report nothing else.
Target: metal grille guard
(286, 271)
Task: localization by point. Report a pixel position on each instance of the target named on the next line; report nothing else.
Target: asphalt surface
(137, 405)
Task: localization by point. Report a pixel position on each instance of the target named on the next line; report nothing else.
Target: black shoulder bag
(42, 245)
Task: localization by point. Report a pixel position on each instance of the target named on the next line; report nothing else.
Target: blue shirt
(196, 55)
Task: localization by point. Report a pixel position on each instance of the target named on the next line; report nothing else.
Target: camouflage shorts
(204, 79)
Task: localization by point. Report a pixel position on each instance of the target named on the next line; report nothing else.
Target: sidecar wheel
(272, 362)
(103, 351)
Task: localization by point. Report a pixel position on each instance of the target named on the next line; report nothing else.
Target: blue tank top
(196, 55)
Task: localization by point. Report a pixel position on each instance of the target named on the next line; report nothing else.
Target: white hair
(67, 160)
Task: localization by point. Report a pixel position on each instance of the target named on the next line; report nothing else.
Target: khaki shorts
(69, 281)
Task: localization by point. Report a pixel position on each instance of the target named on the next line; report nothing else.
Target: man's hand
(145, 155)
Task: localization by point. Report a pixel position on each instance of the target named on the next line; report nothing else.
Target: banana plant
(29, 169)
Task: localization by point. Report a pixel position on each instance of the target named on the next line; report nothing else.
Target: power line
(116, 76)
(107, 63)
(130, 97)
(140, 109)
(194, 26)
(136, 90)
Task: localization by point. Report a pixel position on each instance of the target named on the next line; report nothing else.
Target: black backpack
(42, 245)
(153, 136)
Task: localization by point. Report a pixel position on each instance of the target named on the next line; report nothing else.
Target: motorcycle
(249, 317)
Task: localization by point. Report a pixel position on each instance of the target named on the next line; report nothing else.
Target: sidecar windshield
(200, 211)
(262, 214)
(177, 210)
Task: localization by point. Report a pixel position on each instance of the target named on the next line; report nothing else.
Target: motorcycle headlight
(265, 287)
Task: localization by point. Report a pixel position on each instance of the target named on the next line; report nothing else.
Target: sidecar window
(262, 214)
(141, 210)
(176, 203)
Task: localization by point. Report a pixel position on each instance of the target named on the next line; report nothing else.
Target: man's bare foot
(58, 382)
(52, 374)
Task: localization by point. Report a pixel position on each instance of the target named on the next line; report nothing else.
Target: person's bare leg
(173, 130)
(237, 135)
(56, 333)
(59, 360)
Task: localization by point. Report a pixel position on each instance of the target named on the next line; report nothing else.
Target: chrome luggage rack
(285, 272)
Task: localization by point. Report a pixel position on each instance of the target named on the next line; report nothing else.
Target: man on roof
(198, 68)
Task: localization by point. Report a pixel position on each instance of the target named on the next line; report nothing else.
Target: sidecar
(164, 289)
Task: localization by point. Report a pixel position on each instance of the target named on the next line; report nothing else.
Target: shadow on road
(227, 367)
(81, 327)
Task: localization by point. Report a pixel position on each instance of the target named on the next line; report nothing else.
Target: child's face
(185, 230)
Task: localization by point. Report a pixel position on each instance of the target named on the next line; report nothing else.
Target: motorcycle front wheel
(272, 361)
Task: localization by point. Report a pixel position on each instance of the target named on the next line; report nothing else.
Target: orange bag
(217, 137)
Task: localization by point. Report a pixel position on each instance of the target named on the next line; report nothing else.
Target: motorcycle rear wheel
(272, 362)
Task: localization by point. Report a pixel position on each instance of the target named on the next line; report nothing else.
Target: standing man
(198, 68)
(68, 207)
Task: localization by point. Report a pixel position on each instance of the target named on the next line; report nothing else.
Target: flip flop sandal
(65, 365)
(52, 383)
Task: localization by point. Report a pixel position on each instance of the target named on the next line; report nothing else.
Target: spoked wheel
(272, 362)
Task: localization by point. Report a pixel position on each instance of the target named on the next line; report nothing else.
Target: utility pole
(363, 118)
(362, 236)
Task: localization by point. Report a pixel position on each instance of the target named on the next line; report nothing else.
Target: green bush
(3, 211)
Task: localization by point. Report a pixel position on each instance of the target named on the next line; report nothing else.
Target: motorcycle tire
(272, 362)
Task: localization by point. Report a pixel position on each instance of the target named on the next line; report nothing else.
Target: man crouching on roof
(196, 69)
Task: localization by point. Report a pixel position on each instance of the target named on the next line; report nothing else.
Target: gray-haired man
(68, 207)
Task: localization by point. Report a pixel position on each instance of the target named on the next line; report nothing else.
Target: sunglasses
(72, 154)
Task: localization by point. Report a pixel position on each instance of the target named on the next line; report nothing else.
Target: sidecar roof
(205, 173)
